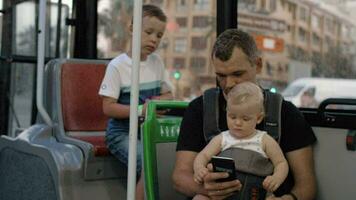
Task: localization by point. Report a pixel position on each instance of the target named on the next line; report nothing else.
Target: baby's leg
(200, 197)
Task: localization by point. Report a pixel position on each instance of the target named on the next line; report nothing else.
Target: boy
(244, 111)
(115, 88)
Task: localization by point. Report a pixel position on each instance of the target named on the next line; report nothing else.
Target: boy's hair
(245, 92)
(231, 38)
(153, 11)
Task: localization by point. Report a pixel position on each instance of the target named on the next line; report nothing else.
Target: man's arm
(301, 163)
(183, 174)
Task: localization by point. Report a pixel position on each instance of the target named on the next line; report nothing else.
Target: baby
(244, 111)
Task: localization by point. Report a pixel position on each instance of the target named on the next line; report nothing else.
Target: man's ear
(258, 65)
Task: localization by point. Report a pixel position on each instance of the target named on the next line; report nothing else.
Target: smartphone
(224, 164)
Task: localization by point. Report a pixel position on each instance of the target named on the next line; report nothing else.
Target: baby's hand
(271, 183)
(199, 175)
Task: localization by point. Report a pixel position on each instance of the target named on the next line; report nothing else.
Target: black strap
(273, 105)
(211, 113)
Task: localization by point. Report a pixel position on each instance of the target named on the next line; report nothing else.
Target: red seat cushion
(81, 104)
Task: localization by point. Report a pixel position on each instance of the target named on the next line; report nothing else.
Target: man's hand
(219, 190)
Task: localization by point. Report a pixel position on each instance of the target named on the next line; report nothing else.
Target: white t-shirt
(117, 79)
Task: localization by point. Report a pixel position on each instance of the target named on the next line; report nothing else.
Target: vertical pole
(227, 15)
(40, 61)
(136, 52)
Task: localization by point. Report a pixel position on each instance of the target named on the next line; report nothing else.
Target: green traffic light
(177, 75)
(273, 90)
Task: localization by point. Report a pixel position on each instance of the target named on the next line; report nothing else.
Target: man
(236, 59)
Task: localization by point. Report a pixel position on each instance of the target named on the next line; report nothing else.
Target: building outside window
(249, 5)
(201, 4)
(179, 63)
(316, 40)
(181, 5)
(345, 32)
(180, 45)
(302, 35)
(316, 22)
(200, 21)
(157, 2)
(329, 25)
(199, 43)
(182, 23)
(197, 64)
(273, 5)
(303, 15)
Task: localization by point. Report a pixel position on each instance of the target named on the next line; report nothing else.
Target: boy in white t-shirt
(244, 111)
(116, 86)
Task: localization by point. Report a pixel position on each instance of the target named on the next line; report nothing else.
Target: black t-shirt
(295, 131)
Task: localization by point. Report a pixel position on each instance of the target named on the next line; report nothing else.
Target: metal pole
(136, 52)
(40, 61)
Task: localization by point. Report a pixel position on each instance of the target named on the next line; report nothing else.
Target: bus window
(292, 91)
(302, 39)
(22, 27)
(186, 45)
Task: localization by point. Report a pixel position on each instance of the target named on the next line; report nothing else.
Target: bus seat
(77, 109)
(159, 142)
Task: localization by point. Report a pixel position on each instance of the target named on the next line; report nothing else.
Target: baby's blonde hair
(246, 92)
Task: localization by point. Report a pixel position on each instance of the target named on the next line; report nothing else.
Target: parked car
(309, 92)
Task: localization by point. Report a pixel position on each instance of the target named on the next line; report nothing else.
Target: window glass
(185, 46)
(25, 26)
(24, 35)
(24, 29)
(21, 96)
(316, 45)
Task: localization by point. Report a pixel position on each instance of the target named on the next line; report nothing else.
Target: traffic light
(177, 75)
(273, 90)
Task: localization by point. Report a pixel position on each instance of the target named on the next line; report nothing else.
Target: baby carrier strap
(272, 120)
(211, 113)
(272, 103)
